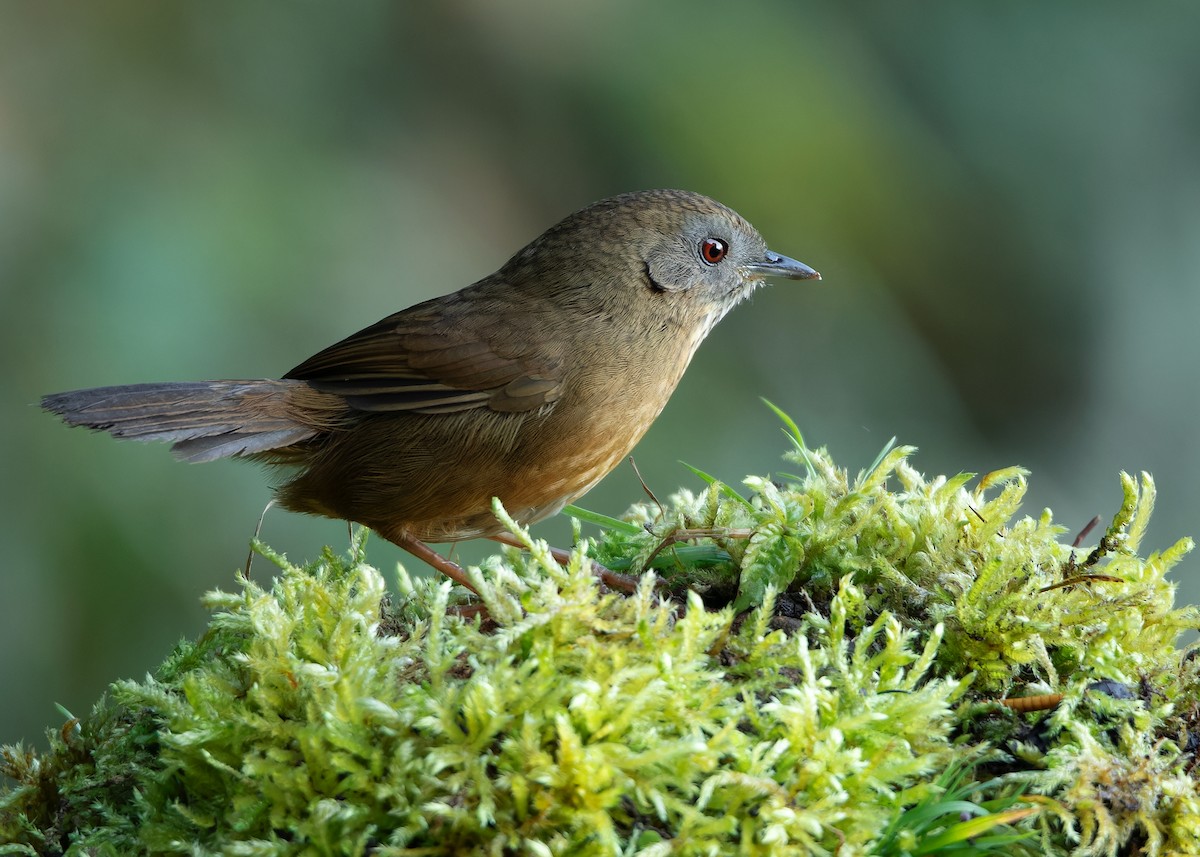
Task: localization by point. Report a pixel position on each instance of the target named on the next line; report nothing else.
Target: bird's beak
(775, 265)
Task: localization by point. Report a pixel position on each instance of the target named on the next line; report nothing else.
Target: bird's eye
(713, 250)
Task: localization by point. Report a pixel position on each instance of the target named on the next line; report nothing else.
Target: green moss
(813, 669)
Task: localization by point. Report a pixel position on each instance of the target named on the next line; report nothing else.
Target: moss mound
(821, 667)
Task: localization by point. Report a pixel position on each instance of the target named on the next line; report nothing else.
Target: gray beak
(775, 265)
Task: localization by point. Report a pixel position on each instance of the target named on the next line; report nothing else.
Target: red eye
(713, 250)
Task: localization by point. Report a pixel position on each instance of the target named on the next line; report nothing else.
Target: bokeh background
(1004, 200)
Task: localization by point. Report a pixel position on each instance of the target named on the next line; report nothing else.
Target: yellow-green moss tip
(814, 669)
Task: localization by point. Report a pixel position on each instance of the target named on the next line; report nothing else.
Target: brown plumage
(529, 385)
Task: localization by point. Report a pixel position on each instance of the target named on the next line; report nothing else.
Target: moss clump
(817, 673)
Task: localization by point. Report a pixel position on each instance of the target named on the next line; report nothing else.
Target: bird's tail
(203, 420)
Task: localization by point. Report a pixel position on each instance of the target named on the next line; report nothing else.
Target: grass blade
(727, 490)
(604, 522)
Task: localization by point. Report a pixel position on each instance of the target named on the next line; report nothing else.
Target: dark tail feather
(204, 420)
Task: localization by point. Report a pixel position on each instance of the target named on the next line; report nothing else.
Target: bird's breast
(601, 416)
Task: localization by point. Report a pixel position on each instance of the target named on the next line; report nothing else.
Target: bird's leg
(428, 555)
(610, 578)
(455, 572)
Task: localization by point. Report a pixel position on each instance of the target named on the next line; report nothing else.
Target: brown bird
(529, 385)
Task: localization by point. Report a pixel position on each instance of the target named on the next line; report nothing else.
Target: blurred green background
(1004, 200)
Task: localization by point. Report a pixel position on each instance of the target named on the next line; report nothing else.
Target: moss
(812, 669)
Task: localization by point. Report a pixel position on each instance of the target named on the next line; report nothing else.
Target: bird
(528, 386)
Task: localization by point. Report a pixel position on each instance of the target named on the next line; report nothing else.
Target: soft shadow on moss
(815, 668)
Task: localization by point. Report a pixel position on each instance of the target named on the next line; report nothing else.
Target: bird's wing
(435, 358)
